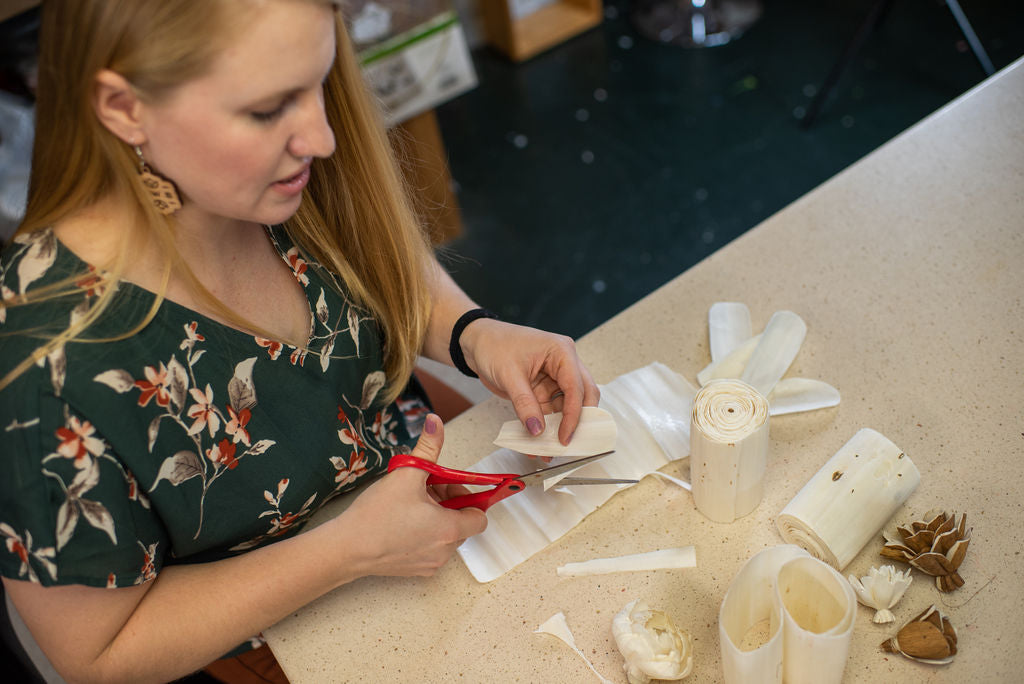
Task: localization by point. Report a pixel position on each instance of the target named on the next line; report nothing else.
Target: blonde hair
(355, 217)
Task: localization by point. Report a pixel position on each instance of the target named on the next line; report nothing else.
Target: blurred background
(598, 170)
(572, 163)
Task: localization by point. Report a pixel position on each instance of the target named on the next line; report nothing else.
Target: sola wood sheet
(651, 406)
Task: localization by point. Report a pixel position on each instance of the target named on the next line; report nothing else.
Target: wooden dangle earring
(161, 191)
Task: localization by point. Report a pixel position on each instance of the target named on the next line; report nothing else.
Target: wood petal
(773, 355)
(900, 553)
(923, 640)
(921, 541)
(934, 564)
(728, 328)
(958, 552)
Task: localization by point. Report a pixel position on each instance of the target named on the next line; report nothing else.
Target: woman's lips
(294, 184)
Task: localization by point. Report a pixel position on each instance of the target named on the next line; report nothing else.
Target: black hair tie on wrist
(455, 346)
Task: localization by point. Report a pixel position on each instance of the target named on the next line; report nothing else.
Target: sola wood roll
(850, 499)
(728, 449)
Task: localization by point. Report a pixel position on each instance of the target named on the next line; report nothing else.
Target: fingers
(431, 439)
(470, 521)
(551, 397)
(538, 372)
(526, 406)
(571, 381)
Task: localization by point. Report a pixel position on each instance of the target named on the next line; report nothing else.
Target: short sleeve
(70, 511)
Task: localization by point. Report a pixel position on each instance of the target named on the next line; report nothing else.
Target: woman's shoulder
(34, 263)
(27, 258)
(29, 264)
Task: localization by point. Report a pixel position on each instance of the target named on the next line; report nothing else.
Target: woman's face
(239, 140)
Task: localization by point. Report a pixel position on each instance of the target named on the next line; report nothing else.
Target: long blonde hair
(355, 217)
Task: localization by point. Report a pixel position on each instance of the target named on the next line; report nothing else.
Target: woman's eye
(268, 116)
(271, 115)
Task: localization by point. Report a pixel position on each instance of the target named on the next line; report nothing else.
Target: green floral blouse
(189, 441)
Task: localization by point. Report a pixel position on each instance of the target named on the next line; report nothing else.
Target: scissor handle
(441, 475)
(485, 499)
(505, 485)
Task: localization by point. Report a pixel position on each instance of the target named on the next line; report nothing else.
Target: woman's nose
(313, 137)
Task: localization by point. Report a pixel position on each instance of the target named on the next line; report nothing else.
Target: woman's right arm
(191, 615)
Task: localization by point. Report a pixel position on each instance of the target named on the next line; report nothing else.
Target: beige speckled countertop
(908, 268)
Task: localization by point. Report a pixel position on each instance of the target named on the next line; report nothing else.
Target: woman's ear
(118, 107)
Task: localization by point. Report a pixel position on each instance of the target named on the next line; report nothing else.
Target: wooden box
(523, 37)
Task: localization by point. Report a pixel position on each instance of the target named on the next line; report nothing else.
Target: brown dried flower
(928, 638)
(936, 546)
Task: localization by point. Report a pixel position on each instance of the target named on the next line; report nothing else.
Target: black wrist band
(455, 346)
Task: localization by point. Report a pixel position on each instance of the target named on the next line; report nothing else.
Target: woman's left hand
(538, 371)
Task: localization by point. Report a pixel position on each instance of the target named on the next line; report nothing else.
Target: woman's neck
(232, 259)
(208, 244)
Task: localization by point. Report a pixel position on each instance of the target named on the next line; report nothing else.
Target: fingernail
(533, 425)
(430, 425)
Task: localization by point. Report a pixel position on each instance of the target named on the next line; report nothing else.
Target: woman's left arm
(530, 367)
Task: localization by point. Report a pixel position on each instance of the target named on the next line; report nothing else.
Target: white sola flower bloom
(654, 648)
(881, 589)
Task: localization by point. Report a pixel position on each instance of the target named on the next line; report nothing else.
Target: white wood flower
(881, 589)
(654, 648)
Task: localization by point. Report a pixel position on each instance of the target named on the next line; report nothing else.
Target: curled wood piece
(802, 611)
(595, 433)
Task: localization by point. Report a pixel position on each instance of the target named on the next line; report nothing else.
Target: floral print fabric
(187, 442)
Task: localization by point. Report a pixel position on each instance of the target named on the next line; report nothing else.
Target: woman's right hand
(397, 527)
(192, 613)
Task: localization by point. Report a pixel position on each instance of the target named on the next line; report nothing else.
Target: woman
(182, 386)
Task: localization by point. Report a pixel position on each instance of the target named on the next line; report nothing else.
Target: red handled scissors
(504, 485)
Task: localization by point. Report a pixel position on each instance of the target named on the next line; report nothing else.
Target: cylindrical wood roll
(728, 449)
(850, 499)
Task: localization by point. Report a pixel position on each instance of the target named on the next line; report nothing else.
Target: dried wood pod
(928, 638)
(936, 546)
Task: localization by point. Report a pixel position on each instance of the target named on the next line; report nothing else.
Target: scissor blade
(538, 476)
(572, 481)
